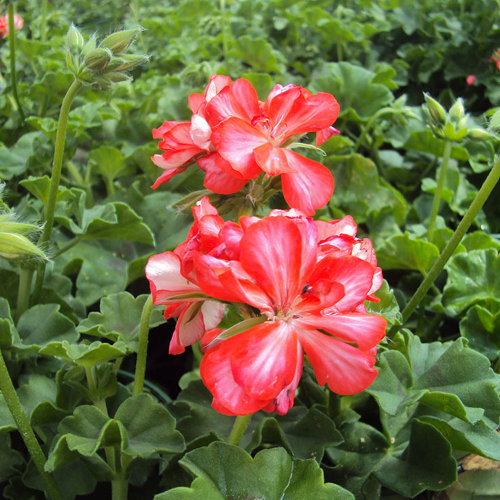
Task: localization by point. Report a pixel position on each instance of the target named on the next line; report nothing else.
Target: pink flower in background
(4, 24)
(471, 79)
(234, 137)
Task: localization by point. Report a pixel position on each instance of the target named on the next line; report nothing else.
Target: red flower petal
(240, 100)
(336, 227)
(159, 132)
(217, 375)
(344, 368)
(325, 134)
(285, 399)
(217, 180)
(237, 140)
(195, 102)
(167, 175)
(316, 112)
(228, 281)
(310, 187)
(264, 359)
(232, 234)
(164, 274)
(215, 85)
(366, 330)
(354, 274)
(271, 252)
(272, 160)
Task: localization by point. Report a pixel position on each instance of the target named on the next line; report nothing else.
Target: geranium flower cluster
(4, 24)
(301, 285)
(234, 137)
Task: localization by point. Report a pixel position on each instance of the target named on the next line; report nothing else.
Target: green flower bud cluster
(14, 244)
(105, 64)
(451, 125)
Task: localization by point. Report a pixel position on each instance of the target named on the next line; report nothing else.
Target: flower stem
(142, 349)
(29, 438)
(476, 205)
(12, 48)
(120, 489)
(439, 190)
(369, 125)
(23, 293)
(239, 428)
(67, 247)
(225, 48)
(43, 26)
(56, 177)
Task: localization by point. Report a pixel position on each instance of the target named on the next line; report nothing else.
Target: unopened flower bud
(97, 59)
(462, 122)
(478, 134)
(116, 77)
(119, 42)
(436, 111)
(89, 46)
(74, 39)
(17, 247)
(129, 61)
(457, 111)
(73, 62)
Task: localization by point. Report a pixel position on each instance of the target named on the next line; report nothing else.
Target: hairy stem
(43, 26)
(239, 428)
(12, 48)
(56, 177)
(225, 48)
(439, 190)
(23, 293)
(481, 197)
(142, 349)
(29, 438)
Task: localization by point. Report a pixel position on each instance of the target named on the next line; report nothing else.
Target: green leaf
(261, 82)
(388, 306)
(303, 432)
(100, 271)
(150, 428)
(448, 377)
(14, 162)
(476, 485)
(141, 428)
(473, 278)
(359, 191)
(457, 192)
(426, 142)
(86, 355)
(427, 463)
(224, 471)
(258, 53)
(357, 457)
(38, 187)
(109, 161)
(354, 88)
(406, 252)
(113, 221)
(482, 329)
(120, 319)
(9, 458)
(35, 397)
(44, 324)
(479, 241)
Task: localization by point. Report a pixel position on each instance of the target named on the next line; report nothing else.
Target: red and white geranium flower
(234, 137)
(305, 281)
